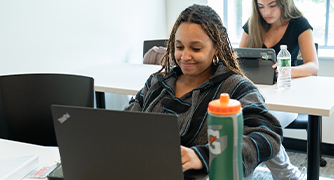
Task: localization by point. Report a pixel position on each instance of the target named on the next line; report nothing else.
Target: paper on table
(41, 171)
(17, 168)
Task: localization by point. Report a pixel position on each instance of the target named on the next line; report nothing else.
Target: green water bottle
(225, 130)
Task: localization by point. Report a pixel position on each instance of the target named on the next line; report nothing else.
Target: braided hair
(211, 23)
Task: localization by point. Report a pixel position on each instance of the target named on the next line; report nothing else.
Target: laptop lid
(257, 63)
(108, 144)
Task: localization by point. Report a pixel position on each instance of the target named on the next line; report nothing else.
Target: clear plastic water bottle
(284, 68)
(225, 131)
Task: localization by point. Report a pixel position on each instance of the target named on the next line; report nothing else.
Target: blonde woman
(276, 22)
(273, 23)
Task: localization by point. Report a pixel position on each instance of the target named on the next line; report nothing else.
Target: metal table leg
(313, 147)
(100, 100)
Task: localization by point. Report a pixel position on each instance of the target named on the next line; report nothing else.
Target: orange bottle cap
(224, 105)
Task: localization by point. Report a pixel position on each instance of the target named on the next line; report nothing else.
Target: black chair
(25, 100)
(148, 44)
(301, 122)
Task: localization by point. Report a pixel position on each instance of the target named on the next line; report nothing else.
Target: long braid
(211, 23)
(169, 54)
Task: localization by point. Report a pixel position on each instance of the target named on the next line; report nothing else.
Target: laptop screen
(256, 63)
(107, 144)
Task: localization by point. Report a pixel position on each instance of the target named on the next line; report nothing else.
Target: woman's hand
(190, 159)
(276, 71)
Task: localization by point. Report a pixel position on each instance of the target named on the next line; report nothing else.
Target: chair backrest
(150, 43)
(25, 102)
(154, 55)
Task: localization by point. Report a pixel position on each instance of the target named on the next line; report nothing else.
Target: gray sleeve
(136, 103)
(262, 131)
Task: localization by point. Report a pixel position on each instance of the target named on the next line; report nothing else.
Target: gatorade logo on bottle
(225, 128)
(217, 144)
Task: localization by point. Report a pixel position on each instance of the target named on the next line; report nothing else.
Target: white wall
(74, 34)
(70, 35)
(175, 7)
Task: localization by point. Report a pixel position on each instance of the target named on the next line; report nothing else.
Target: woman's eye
(196, 49)
(178, 47)
(260, 7)
(273, 6)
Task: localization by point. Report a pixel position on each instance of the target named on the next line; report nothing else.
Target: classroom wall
(175, 7)
(75, 34)
(70, 35)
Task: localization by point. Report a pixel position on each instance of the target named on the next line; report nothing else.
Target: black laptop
(106, 144)
(257, 63)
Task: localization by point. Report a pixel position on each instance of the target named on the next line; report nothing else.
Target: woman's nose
(267, 11)
(186, 55)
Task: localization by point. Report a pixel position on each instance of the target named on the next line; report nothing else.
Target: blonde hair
(211, 23)
(257, 26)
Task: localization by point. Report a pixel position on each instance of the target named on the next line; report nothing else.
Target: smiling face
(269, 10)
(194, 50)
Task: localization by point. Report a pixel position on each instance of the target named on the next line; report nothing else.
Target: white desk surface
(309, 95)
(120, 78)
(12, 149)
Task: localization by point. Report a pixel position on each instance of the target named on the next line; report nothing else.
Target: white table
(13, 149)
(119, 78)
(310, 95)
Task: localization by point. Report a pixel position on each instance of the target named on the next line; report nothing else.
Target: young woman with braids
(203, 66)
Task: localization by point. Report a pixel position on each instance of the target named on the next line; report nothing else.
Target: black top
(290, 37)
